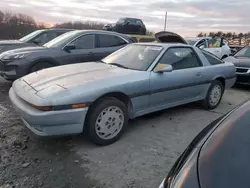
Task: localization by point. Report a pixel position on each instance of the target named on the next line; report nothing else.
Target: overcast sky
(187, 17)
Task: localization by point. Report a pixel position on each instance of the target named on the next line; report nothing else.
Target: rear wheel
(40, 66)
(107, 120)
(214, 95)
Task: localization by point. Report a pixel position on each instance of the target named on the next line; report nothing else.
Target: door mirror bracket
(168, 68)
(69, 47)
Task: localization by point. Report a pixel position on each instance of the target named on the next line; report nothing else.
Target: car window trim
(81, 36)
(196, 55)
(98, 39)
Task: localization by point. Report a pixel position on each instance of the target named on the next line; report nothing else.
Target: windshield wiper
(119, 65)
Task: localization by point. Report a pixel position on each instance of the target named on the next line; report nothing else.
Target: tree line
(15, 26)
(232, 37)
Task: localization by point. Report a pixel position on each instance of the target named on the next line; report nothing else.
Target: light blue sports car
(102, 96)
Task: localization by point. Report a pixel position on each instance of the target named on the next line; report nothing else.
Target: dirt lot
(141, 159)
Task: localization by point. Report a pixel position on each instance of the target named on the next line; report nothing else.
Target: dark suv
(38, 37)
(130, 26)
(72, 47)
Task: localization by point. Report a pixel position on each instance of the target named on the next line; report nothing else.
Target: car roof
(197, 38)
(58, 29)
(164, 45)
(104, 32)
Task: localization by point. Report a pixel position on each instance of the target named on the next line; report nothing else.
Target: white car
(217, 46)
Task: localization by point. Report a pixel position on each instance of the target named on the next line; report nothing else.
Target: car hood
(23, 50)
(239, 61)
(169, 37)
(70, 76)
(10, 42)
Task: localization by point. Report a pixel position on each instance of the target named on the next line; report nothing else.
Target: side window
(213, 60)
(85, 42)
(139, 22)
(200, 42)
(214, 43)
(179, 58)
(131, 21)
(110, 41)
(46, 37)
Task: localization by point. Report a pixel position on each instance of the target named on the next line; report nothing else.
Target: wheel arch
(221, 79)
(118, 95)
(40, 60)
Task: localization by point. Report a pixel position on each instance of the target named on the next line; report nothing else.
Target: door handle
(199, 74)
(90, 53)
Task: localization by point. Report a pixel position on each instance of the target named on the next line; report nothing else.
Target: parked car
(108, 27)
(102, 96)
(241, 60)
(217, 46)
(130, 26)
(235, 48)
(217, 157)
(38, 37)
(72, 47)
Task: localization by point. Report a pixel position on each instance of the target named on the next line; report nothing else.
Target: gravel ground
(141, 159)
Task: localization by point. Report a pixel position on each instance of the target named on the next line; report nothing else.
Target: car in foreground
(133, 26)
(217, 45)
(241, 60)
(38, 37)
(72, 47)
(102, 96)
(218, 156)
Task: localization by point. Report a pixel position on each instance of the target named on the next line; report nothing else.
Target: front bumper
(14, 69)
(51, 123)
(243, 79)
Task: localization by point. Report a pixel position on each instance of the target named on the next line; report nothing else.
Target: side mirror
(69, 47)
(37, 41)
(202, 46)
(168, 68)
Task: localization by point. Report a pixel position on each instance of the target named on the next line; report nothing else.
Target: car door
(107, 44)
(182, 84)
(83, 51)
(214, 47)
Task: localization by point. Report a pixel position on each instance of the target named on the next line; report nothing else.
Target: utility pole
(165, 25)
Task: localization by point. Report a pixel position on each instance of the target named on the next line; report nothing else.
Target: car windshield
(245, 52)
(134, 56)
(30, 36)
(191, 41)
(61, 40)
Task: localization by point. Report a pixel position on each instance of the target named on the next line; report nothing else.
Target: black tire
(95, 112)
(206, 103)
(40, 66)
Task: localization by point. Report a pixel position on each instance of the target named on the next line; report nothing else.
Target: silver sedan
(102, 96)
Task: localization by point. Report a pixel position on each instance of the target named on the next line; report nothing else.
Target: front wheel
(106, 121)
(214, 95)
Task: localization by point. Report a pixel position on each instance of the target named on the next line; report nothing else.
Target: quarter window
(110, 41)
(213, 60)
(179, 58)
